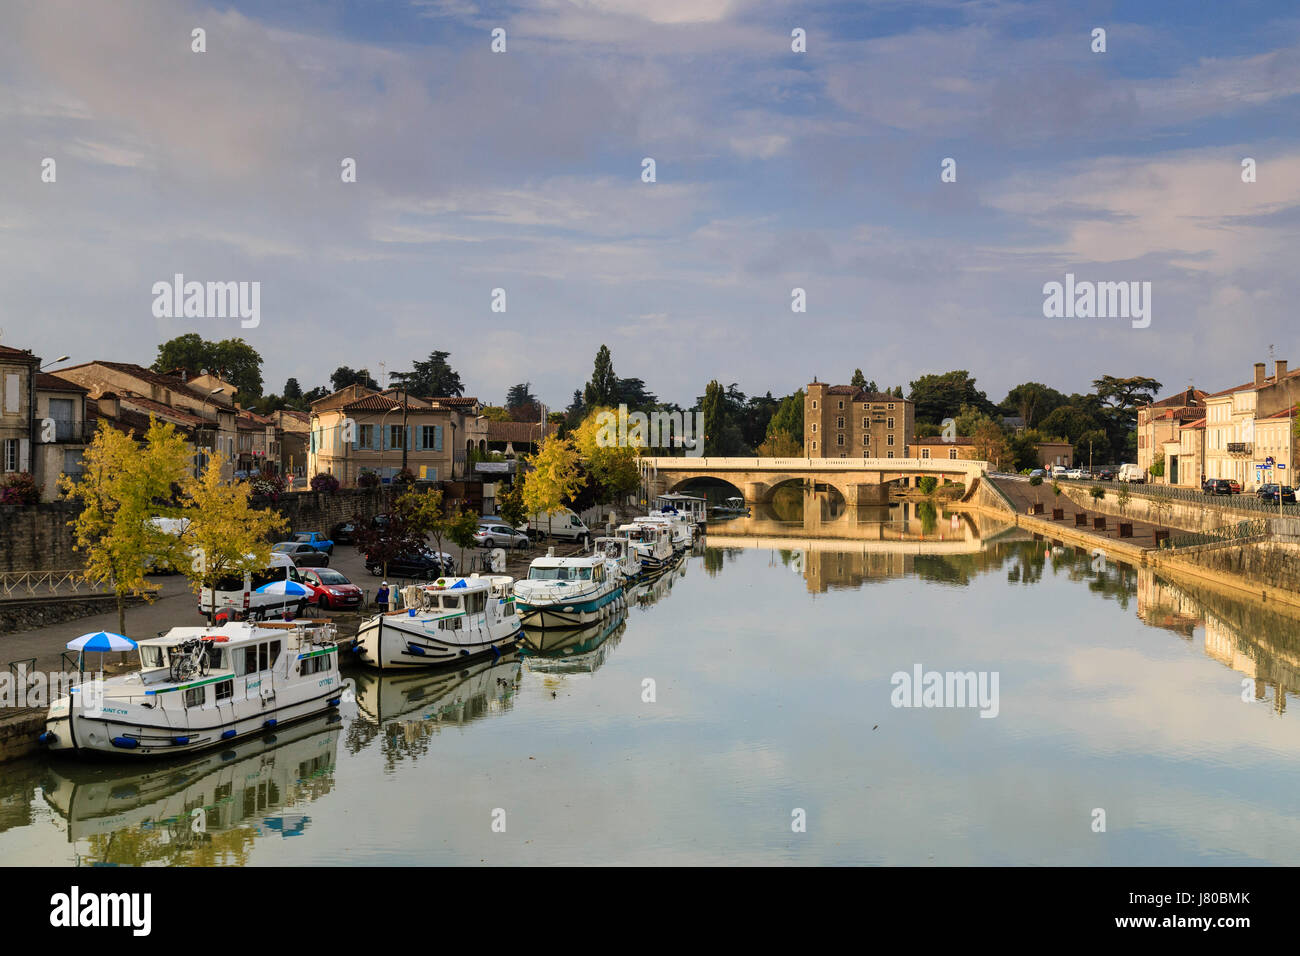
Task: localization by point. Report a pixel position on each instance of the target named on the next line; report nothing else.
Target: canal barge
(568, 592)
(201, 687)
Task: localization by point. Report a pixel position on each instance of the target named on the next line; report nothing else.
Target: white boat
(653, 544)
(449, 621)
(622, 557)
(202, 687)
(568, 592)
(681, 531)
(693, 509)
(731, 507)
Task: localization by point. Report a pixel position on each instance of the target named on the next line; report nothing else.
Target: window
(250, 659)
(11, 454)
(11, 406)
(195, 696)
(225, 690)
(429, 436)
(814, 427)
(866, 440)
(839, 422)
(72, 463)
(841, 404)
(366, 436)
(891, 406)
(839, 440)
(952, 453)
(814, 403)
(396, 436)
(814, 446)
(262, 660)
(866, 423)
(891, 455)
(890, 423)
(890, 442)
(925, 453)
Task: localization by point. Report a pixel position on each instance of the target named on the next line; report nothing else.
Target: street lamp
(61, 358)
(383, 442)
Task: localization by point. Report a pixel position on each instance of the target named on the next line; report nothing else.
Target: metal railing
(46, 583)
(1242, 502)
(64, 430)
(1233, 533)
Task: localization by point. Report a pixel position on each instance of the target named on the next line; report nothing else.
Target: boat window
(225, 690)
(195, 696)
(475, 603)
(250, 659)
(584, 574)
(275, 652)
(214, 656)
(262, 660)
(450, 603)
(151, 655)
(549, 574)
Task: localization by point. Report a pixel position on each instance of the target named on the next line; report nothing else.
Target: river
(743, 710)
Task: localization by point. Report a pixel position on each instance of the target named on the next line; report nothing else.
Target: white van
(237, 592)
(1131, 472)
(561, 524)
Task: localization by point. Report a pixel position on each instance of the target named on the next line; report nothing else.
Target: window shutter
(24, 450)
(437, 438)
(356, 437)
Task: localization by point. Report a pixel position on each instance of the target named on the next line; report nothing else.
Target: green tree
(858, 380)
(1031, 401)
(510, 506)
(225, 534)
(522, 404)
(231, 360)
(788, 418)
(292, 391)
(603, 387)
(554, 476)
(461, 528)
(433, 378)
(942, 396)
(123, 486)
(715, 418)
(343, 376)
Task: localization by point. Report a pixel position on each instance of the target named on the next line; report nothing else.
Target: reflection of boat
(455, 695)
(568, 592)
(622, 557)
(202, 687)
(656, 587)
(681, 532)
(452, 621)
(579, 651)
(184, 801)
(730, 508)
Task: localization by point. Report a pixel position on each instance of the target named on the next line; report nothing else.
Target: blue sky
(775, 170)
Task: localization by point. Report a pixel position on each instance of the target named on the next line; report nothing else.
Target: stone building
(843, 421)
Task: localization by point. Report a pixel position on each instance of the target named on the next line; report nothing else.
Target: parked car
(500, 535)
(1074, 473)
(344, 532)
(1234, 485)
(303, 555)
(316, 540)
(1085, 474)
(1038, 473)
(1106, 474)
(1131, 473)
(1217, 486)
(334, 592)
(415, 564)
(1058, 471)
(1269, 493)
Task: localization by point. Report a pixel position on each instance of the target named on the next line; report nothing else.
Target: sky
(522, 170)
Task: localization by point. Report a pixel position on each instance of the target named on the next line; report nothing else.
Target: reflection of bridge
(861, 481)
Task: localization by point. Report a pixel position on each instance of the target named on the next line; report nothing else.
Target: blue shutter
(437, 438)
(376, 437)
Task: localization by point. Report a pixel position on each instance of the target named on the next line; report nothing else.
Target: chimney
(1279, 369)
(108, 405)
(1259, 374)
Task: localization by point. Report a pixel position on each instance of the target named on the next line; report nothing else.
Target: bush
(270, 486)
(927, 484)
(1097, 492)
(19, 489)
(368, 479)
(325, 482)
(1035, 480)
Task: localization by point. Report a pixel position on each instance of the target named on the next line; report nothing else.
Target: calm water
(772, 657)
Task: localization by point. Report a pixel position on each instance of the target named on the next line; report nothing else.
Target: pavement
(1022, 495)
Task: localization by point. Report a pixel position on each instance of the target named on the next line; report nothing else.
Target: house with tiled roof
(358, 429)
(1248, 424)
(844, 421)
(1160, 423)
(518, 438)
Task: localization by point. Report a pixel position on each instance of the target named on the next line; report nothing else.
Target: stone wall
(31, 613)
(38, 537)
(1183, 515)
(1263, 562)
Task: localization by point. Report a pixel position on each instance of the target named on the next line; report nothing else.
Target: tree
(1157, 467)
(522, 404)
(858, 380)
(554, 476)
(715, 418)
(780, 444)
(510, 506)
(461, 528)
(602, 389)
(343, 376)
(433, 378)
(124, 485)
(610, 466)
(313, 395)
(1031, 401)
(496, 413)
(226, 535)
(788, 418)
(991, 445)
(942, 396)
(292, 390)
(632, 393)
(386, 541)
(231, 360)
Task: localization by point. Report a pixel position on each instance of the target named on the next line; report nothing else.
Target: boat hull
(395, 643)
(561, 614)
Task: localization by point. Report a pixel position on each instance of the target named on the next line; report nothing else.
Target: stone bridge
(861, 481)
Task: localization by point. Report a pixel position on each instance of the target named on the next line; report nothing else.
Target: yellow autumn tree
(612, 465)
(124, 485)
(554, 477)
(226, 536)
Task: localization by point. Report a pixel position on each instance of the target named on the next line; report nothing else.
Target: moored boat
(568, 592)
(731, 508)
(652, 543)
(450, 621)
(623, 559)
(202, 687)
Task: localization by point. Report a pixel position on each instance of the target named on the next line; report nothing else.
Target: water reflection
(408, 709)
(204, 811)
(578, 651)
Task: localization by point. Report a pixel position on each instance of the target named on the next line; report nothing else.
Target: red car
(1235, 486)
(334, 592)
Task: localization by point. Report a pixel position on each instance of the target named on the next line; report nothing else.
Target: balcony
(63, 431)
(1240, 447)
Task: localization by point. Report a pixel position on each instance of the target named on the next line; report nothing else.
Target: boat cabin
(688, 506)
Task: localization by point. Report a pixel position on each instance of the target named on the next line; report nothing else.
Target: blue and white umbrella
(102, 641)
(290, 588)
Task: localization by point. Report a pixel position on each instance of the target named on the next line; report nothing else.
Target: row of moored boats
(206, 686)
